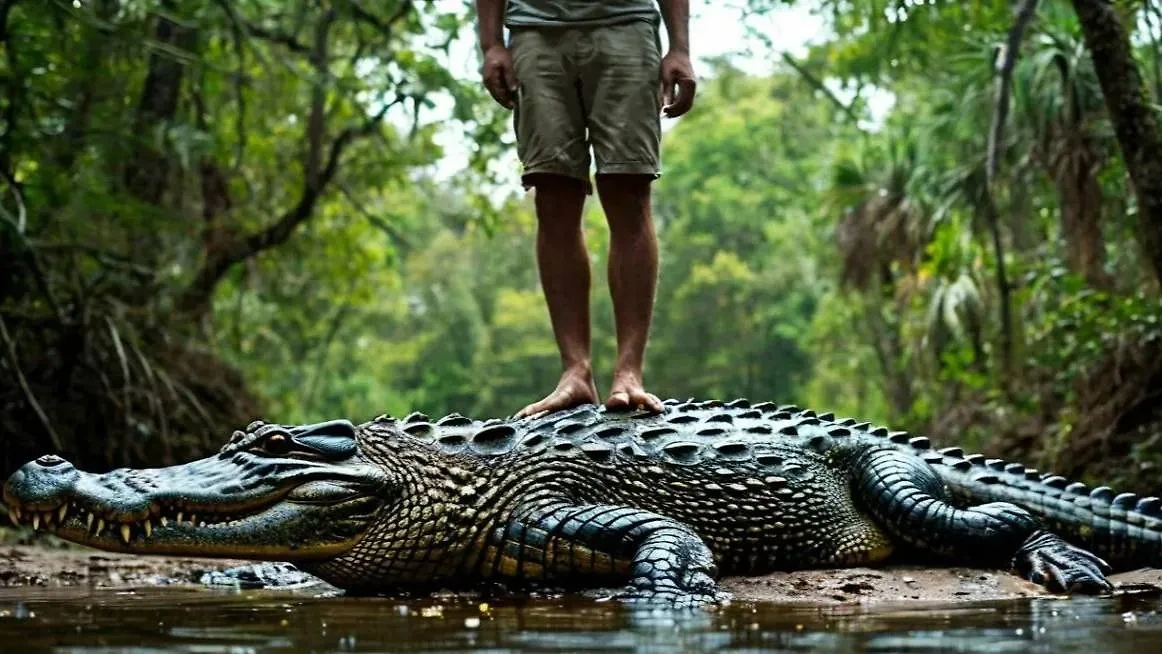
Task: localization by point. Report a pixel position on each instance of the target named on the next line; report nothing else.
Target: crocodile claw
(1049, 561)
(664, 598)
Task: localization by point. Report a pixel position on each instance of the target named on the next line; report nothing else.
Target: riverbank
(46, 566)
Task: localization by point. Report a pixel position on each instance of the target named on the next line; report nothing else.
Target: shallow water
(191, 619)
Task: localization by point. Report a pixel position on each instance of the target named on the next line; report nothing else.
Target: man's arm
(497, 71)
(676, 15)
(489, 23)
(676, 68)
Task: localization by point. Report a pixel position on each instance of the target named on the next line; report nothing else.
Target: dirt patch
(903, 583)
(31, 565)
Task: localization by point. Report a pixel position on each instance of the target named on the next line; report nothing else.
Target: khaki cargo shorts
(594, 86)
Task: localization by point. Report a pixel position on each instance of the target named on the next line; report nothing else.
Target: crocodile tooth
(100, 526)
(148, 527)
(35, 520)
(62, 512)
(194, 519)
(179, 517)
(13, 516)
(125, 533)
(164, 521)
(89, 521)
(202, 524)
(17, 511)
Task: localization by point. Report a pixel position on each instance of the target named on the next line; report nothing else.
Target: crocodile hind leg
(664, 560)
(909, 501)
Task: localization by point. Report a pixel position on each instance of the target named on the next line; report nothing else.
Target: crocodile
(647, 506)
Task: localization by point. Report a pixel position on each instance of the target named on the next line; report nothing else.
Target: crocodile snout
(40, 486)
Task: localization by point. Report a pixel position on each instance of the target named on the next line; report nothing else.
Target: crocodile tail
(1123, 528)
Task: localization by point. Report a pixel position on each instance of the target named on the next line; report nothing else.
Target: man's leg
(622, 87)
(633, 276)
(564, 267)
(550, 131)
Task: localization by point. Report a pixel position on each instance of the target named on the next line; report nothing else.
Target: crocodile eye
(277, 444)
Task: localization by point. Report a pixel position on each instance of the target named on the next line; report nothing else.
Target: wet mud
(44, 566)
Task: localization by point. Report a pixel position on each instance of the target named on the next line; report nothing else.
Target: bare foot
(575, 388)
(628, 392)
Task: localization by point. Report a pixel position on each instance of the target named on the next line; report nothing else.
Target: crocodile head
(303, 493)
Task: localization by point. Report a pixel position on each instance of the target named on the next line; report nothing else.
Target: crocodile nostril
(49, 460)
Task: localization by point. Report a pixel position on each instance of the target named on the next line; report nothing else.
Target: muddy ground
(46, 565)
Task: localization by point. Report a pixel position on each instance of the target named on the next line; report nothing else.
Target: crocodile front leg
(664, 560)
(909, 501)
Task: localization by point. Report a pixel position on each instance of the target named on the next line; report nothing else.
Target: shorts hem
(532, 171)
(630, 168)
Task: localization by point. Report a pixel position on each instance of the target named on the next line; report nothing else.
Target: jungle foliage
(215, 211)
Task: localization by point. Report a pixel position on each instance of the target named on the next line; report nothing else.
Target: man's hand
(499, 75)
(677, 72)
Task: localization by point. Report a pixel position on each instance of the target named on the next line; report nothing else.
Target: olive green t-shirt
(575, 13)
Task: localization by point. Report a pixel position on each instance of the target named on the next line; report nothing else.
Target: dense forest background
(215, 211)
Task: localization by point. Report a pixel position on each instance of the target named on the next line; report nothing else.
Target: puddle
(193, 619)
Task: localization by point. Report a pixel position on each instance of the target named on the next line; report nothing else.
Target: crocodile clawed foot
(1048, 560)
(697, 589)
(660, 598)
(259, 575)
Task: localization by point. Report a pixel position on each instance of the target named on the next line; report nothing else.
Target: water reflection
(197, 620)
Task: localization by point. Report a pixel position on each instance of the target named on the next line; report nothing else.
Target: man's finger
(498, 91)
(685, 101)
(667, 92)
(508, 76)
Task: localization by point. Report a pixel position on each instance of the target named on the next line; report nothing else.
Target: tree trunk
(147, 170)
(1079, 194)
(1135, 123)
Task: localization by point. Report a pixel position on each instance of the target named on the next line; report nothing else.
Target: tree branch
(29, 396)
(1024, 17)
(379, 223)
(281, 38)
(318, 112)
(820, 86)
(195, 298)
(385, 27)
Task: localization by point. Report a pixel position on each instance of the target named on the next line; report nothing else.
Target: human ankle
(577, 367)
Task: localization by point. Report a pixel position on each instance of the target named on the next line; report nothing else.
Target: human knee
(626, 200)
(559, 203)
(635, 187)
(556, 188)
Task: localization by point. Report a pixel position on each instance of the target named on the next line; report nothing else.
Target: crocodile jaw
(315, 512)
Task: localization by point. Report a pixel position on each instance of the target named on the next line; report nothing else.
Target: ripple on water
(199, 620)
